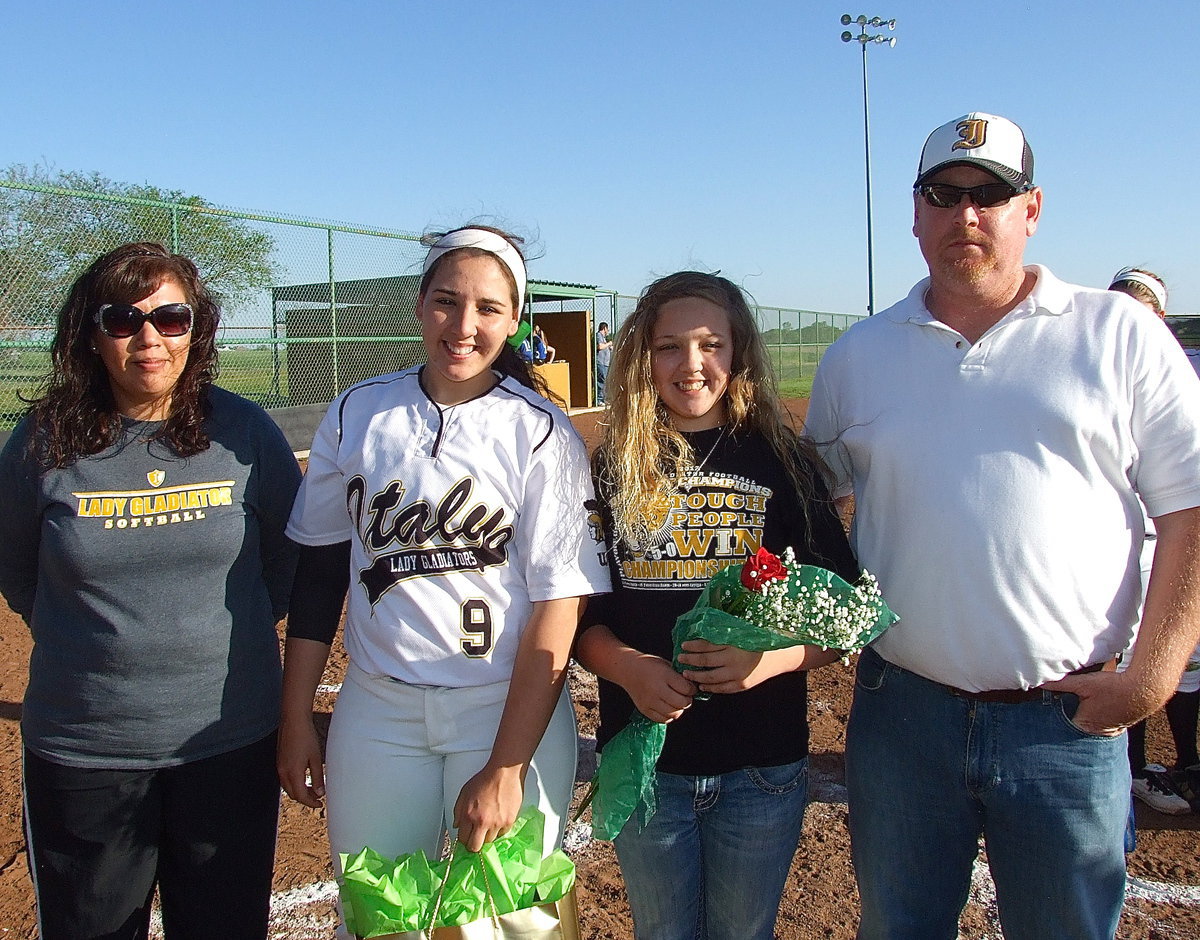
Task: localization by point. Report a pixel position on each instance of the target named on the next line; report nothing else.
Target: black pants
(204, 832)
(1183, 713)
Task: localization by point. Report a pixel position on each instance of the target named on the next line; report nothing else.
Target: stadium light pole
(864, 39)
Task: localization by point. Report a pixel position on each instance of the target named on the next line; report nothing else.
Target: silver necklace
(695, 471)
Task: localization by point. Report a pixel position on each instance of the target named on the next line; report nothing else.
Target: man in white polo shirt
(997, 428)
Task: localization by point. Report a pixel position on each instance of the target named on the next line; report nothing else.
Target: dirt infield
(820, 900)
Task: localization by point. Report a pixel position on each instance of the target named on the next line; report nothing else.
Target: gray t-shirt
(151, 584)
(603, 348)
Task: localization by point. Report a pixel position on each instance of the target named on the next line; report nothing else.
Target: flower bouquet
(384, 897)
(767, 604)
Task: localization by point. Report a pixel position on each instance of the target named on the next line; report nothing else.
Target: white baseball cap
(994, 143)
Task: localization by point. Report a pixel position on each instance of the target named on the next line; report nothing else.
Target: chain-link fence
(286, 336)
(308, 307)
(796, 340)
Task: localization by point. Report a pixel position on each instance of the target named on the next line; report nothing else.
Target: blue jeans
(712, 862)
(928, 772)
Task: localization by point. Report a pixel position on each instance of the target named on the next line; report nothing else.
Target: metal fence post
(333, 317)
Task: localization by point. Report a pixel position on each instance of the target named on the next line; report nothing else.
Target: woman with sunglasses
(143, 542)
(452, 501)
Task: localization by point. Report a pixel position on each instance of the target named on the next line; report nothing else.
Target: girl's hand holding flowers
(721, 668)
(724, 669)
(659, 692)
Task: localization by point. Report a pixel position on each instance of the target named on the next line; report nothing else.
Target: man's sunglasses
(120, 321)
(945, 196)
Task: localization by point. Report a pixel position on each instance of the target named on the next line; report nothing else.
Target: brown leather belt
(1020, 696)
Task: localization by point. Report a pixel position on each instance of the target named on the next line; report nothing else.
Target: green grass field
(254, 373)
(795, 367)
(796, 388)
(21, 372)
(258, 373)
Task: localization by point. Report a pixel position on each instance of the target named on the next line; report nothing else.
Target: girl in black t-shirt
(698, 468)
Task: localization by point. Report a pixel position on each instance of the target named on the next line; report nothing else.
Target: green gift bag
(507, 889)
(554, 920)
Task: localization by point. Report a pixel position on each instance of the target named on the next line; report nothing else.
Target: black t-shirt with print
(738, 498)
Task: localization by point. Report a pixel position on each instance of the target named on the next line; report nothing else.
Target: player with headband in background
(1173, 791)
(1144, 286)
(451, 499)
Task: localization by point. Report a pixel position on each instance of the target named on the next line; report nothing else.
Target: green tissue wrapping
(624, 780)
(382, 896)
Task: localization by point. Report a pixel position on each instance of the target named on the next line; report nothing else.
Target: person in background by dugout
(604, 350)
(143, 519)
(542, 351)
(1000, 431)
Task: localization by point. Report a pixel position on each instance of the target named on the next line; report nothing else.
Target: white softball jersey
(459, 517)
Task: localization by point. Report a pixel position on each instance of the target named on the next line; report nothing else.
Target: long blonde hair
(642, 455)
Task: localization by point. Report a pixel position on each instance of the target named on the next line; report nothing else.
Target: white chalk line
(303, 895)
(288, 912)
(1143, 889)
(289, 908)
(825, 789)
(285, 905)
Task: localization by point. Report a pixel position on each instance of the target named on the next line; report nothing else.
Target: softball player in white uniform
(452, 500)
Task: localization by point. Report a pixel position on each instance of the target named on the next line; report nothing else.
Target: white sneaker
(1153, 786)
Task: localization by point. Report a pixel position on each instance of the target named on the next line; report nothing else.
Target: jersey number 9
(476, 629)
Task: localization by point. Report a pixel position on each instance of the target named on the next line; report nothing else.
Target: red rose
(761, 569)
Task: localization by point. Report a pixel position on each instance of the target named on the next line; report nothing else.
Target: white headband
(497, 245)
(1148, 281)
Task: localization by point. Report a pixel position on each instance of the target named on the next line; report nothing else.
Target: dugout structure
(337, 333)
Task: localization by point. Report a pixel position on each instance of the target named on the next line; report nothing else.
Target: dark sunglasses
(945, 196)
(120, 321)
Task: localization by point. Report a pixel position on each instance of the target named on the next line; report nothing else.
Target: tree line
(48, 236)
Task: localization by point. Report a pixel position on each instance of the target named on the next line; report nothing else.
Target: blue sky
(633, 138)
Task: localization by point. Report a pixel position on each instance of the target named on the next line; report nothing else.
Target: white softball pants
(399, 754)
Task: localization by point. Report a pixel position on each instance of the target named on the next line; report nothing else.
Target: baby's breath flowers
(807, 604)
(765, 604)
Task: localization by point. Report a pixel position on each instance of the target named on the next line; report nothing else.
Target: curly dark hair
(76, 414)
